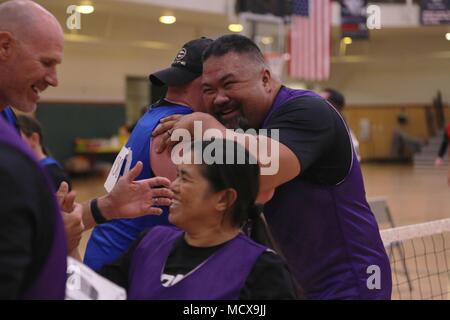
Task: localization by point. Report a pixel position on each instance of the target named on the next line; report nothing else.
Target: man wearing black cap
(183, 78)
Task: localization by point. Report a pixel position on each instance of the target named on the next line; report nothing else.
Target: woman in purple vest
(207, 256)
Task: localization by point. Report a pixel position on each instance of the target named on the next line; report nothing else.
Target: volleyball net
(420, 258)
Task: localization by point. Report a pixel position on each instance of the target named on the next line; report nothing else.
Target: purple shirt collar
(284, 95)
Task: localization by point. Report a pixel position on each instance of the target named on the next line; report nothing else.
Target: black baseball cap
(186, 67)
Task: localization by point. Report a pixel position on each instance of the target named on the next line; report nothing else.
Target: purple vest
(328, 234)
(51, 280)
(220, 277)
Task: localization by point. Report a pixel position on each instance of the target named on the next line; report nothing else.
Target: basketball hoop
(276, 62)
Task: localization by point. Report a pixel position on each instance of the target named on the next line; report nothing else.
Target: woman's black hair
(28, 126)
(234, 167)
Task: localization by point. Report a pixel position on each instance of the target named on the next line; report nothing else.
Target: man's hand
(65, 198)
(130, 199)
(73, 224)
(171, 123)
(166, 124)
(72, 214)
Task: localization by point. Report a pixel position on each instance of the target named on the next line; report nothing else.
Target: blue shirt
(110, 240)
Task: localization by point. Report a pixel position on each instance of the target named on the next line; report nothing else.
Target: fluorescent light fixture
(167, 19)
(85, 9)
(267, 40)
(235, 27)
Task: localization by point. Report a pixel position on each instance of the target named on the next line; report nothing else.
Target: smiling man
(28, 59)
(318, 213)
(33, 240)
(29, 212)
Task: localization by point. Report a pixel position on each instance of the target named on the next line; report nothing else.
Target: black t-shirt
(27, 221)
(269, 278)
(318, 136)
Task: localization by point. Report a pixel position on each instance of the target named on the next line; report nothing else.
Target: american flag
(310, 40)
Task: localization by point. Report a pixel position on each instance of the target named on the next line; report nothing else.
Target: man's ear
(226, 199)
(6, 41)
(266, 77)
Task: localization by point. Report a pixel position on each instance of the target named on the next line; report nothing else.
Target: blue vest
(110, 240)
(220, 277)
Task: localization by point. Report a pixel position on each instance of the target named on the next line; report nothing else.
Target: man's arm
(131, 199)
(72, 218)
(161, 163)
(284, 162)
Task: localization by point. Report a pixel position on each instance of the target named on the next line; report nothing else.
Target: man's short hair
(233, 43)
(336, 98)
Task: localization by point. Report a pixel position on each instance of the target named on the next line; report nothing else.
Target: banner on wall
(354, 19)
(435, 12)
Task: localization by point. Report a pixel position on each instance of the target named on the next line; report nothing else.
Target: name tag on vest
(125, 156)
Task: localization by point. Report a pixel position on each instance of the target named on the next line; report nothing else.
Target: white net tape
(414, 231)
(420, 258)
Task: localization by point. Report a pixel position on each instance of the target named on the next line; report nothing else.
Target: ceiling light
(235, 27)
(85, 9)
(167, 19)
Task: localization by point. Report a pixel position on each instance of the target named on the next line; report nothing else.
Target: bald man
(33, 243)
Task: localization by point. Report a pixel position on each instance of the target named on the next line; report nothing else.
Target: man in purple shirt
(33, 248)
(317, 210)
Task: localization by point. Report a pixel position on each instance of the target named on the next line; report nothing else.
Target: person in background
(404, 145)
(337, 99)
(442, 149)
(31, 131)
